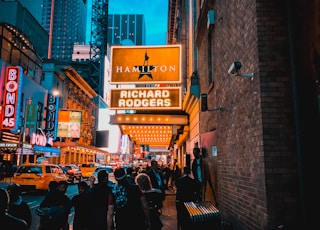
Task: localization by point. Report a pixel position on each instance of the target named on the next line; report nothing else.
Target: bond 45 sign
(12, 94)
(161, 98)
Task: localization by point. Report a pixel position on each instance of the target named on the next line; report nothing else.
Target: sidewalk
(169, 213)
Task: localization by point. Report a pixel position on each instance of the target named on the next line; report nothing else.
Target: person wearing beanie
(130, 203)
(7, 221)
(18, 207)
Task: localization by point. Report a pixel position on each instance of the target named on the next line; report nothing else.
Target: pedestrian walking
(92, 180)
(55, 208)
(187, 191)
(80, 204)
(100, 203)
(197, 171)
(154, 200)
(130, 176)
(167, 171)
(7, 221)
(157, 178)
(177, 172)
(17, 206)
(131, 207)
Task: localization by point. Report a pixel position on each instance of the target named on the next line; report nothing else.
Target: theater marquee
(145, 64)
(163, 98)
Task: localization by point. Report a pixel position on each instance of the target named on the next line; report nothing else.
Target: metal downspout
(296, 110)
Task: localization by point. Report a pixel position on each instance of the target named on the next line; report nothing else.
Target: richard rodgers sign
(146, 98)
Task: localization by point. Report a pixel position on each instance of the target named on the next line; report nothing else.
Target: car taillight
(41, 175)
(16, 174)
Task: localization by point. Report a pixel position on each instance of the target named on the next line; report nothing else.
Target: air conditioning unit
(210, 18)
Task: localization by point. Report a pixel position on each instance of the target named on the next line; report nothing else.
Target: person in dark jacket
(7, 221)
(80, 204)
(197, 171)
(100, 203)
(187, 191)
(18, 207)
(131, 207)
(55, 208)
(157, 177)
(154, 200)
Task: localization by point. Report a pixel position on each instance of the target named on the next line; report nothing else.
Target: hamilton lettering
(146, 69)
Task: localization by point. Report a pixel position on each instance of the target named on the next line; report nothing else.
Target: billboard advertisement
(69, 122)
(145, 64)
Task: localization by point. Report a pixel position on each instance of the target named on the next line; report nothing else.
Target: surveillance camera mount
(219, 108)
(245, 74)
(235, 70)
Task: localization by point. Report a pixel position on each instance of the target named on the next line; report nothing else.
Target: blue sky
(155, 13)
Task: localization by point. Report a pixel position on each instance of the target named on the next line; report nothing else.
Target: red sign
(11, 96)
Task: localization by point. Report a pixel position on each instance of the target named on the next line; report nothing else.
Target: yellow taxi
(37, 176)
(87, 169)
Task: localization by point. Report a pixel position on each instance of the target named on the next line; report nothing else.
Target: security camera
(234, 68)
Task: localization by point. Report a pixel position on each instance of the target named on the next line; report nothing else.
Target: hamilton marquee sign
(145, 64)
(160, 98)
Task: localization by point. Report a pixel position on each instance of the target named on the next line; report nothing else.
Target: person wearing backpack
(154, 200)
(131, 207)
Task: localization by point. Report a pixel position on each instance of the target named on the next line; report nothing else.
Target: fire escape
(98, 43)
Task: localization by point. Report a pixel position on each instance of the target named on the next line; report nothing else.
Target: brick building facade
(267, 131)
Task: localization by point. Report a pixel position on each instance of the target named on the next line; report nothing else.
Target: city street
(169, 215)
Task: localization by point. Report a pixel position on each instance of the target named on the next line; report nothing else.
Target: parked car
(104, 167)
(73, 173)
(35, 176)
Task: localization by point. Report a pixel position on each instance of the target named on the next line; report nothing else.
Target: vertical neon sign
(12, 96)
(52, 117)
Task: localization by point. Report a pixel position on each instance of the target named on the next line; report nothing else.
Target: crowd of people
(136, 199)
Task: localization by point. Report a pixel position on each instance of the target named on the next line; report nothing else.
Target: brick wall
(258, 180)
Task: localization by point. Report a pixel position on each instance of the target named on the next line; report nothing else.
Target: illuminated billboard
(161, 98)
(11, 98)
(69, 122)
(145, 64)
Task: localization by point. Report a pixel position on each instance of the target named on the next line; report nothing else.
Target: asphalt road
(34, 199)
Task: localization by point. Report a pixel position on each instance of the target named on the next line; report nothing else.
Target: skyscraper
(65, 21)
(126, 29)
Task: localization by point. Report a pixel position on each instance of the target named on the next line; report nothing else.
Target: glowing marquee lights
(146, 98)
